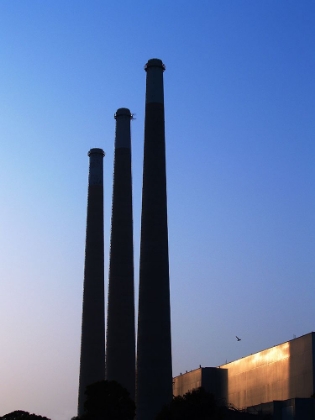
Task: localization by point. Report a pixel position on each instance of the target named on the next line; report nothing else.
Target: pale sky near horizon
(240, 127)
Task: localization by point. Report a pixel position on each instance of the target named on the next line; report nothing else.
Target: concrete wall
(212, 379)
(187, 382)
(279, 373)
(293, 409)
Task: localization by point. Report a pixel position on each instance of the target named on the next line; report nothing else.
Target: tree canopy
(194, 405)
(199, 404)
(22, 415)
(108, 400)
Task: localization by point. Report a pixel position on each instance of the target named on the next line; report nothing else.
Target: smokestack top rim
(96, 151)
(154, 62)
(123, 111)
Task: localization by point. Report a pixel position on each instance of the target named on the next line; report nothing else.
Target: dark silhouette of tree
(107, 400)
(199, 404)
(194, 405)
(22, 415)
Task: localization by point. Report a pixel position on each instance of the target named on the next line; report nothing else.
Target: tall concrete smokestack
(154, 360)
(120, 343)
(92, 363)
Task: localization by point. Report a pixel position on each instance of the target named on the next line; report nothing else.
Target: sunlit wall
(214, 380)
(280, 373)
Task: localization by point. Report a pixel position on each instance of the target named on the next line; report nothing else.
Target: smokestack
(120, 343)
(154, 359)
(92, 363)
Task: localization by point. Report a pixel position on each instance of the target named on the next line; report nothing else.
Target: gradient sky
(240, 127)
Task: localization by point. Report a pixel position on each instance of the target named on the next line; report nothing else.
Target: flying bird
(237, 338)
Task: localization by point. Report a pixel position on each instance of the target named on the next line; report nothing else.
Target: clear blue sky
(240, 127)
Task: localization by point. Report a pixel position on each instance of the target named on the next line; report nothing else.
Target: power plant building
(284, 373)
(279, 380)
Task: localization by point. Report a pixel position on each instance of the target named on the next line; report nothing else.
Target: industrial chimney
(154, 359)
(120, 343)
(92, 363)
